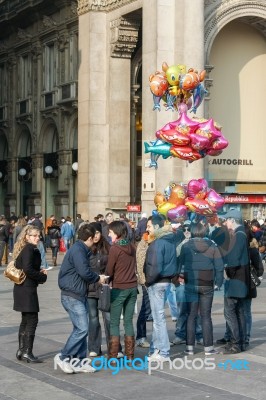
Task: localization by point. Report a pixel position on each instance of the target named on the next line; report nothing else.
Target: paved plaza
(244, 377)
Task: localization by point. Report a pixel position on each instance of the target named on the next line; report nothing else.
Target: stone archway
(253, 12)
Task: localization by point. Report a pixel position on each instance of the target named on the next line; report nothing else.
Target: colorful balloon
(199, 206)
(185, 153)
(198, 142)
(173, 137)
(165, 207)
(177, 195)
(177, 212)
(214, 199)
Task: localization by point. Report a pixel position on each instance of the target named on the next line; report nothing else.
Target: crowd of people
(182, 264)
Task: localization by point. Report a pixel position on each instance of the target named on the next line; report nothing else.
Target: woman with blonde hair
(28, 258)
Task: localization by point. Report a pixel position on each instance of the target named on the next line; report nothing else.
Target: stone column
(194, 57)
(162, 41)
(93, 127)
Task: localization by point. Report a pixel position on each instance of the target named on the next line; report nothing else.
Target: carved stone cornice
(22, 34)
(48, 22)
(85, 6)
(124, 37)
(220, 15)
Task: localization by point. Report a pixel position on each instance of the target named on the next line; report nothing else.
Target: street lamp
(48, 174)
(22, 172)
(74, 174)
(24, 177)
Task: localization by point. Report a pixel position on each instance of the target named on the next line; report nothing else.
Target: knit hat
(97, 226)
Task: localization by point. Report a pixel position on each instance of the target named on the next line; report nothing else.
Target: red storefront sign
(245, 199)
(134, 208)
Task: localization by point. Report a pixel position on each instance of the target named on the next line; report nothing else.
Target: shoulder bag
(14, 274)
(255, 281)
(104, 294)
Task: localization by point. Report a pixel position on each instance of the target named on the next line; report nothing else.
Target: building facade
(76, 107)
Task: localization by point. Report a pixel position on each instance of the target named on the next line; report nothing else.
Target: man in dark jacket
(73, 279)
(4, 234)
(237, 281)
(160, 266)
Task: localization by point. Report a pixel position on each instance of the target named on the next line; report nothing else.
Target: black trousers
(29, 322)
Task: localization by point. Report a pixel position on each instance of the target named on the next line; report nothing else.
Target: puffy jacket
(161, 260)
(75, 272)
(201, 263)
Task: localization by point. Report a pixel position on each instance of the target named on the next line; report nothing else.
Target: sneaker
(84, 368)
(158, 357)
(178, 340)
(64, 365)
(222, 341)
(120, 354)
(200, 342)
(142, 343)
(49, 268)
(93, 354)
(211, 352)
(189, 352)
(174, 319)
(156, 351)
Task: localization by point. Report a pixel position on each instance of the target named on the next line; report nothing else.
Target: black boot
(19, 352)
(27, 352)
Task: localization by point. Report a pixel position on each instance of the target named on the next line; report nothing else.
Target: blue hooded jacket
(75, 272)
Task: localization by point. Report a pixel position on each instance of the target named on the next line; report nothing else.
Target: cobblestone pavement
(20, 380)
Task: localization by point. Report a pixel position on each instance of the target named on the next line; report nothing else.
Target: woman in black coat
(53, 232)
(98, 262)
(28, 258)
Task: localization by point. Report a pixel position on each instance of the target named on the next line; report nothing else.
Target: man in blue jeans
(73, 279)
(160, 266)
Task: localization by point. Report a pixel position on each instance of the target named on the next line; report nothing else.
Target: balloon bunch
(196, 197)
(188, 139)
(180, 89)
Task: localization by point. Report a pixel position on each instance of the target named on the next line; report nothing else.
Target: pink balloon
(194, 187)
(214, 199)
(177, 212)
(198, 142)
(219, 144)
(185, 125)
(208, 130)
(214, 153)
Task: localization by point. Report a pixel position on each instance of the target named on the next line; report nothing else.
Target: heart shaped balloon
(214, 153)
(194, 186)
(177, 212)
(214, 199)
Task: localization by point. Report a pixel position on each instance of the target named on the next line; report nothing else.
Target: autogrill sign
(229, 161)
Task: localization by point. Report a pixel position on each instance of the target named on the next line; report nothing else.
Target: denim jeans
(248, 318)
(199, 299)
(235, 317)
(160, 340)
(76, 345)
(67, 242)
(171, 300)
(144, 313)
(122, 300)
(95, 330)
(181, 323)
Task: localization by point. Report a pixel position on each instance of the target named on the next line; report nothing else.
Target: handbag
(104, 294)
(14, 274)
(255, 281)
(62, 247)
